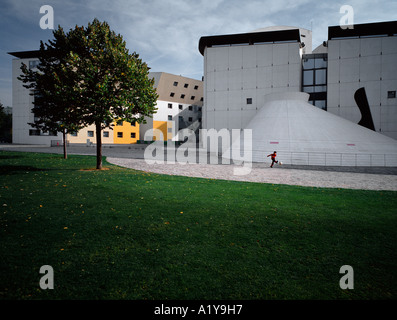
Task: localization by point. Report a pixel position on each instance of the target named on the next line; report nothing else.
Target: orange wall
(125, 130)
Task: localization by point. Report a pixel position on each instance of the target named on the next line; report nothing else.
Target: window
(180, 107)
(119, 134)
(169, 117)
(249, 100)
(186, 85)
(74, 134)
(199, 119)
(202, 99)
(195, 87)
(308, 77)
(172, 94)
(190, 108)
(192, 97)
(182, 96)
(90, 133)
(33, 64)
(119, 123)
(133, 135)
(175, 83)
(106, 134)
(190, 119)
(34, 132)
(199, 109)
(169, 130)
(391, 94)
(170, 106)
(133, 124)
(321, 76)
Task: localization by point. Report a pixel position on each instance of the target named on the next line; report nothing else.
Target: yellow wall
(125, 129)
(163, 126)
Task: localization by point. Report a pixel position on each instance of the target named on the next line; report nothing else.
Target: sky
(166, 33)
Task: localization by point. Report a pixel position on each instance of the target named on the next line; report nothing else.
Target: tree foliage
(88, 77)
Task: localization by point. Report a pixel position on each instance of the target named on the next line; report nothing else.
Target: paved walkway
(131, 156)
(264, 174)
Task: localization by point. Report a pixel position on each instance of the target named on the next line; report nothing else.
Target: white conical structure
(304, 134)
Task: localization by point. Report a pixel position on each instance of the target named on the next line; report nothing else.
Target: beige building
(179, 106)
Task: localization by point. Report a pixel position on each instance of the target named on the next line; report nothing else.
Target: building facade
(239, 70)
(178, 106)
(352, 74)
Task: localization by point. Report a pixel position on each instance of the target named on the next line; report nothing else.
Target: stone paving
(132, 156)
(265, 174)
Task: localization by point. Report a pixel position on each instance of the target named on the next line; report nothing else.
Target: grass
(125, 234)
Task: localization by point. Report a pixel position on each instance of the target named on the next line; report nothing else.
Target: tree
(5, 125)
(55, 101)
(113, 85)
(94, 80)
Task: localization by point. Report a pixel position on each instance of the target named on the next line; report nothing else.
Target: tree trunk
(98, 146)
(65, 155)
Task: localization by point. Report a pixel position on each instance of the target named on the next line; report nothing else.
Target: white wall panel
(210, 59)
(234, 119)
(235, 79)
(333, 95)
(264, 55)
(249, 78)
(349, 70)
(264, 77)
(235, 100)
(333, 71)
(221, 80)
(280, 54)
(333, 50)
(349, 48)
(294, 74)
(235, 58)
(389, 45)
(293, 53)
(370, 47)
(280, 75)
(389, 66)
(221, 58)
(370, 68)
(249, 57)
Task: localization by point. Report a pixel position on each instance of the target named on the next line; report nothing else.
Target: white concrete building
(303, 134)
(239, 70)
(22, 104)
(364, 57)
(352, 75)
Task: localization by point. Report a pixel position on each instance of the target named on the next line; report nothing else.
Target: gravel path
(276, 175)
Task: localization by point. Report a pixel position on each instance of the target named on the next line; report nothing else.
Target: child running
(273, 156)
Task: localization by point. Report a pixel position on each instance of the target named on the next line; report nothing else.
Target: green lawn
(125, 234)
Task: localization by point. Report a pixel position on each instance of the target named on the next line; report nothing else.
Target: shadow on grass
(5, 157)
(10, 169)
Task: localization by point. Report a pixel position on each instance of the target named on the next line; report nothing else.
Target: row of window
(185, 86)
(190, 119)
(172, 94)
(105, 134)
(170, 106)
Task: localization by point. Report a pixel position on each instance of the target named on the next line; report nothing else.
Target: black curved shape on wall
(362, 102)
